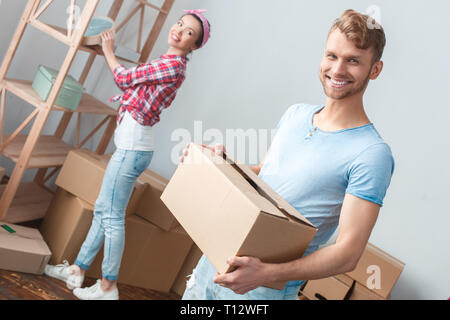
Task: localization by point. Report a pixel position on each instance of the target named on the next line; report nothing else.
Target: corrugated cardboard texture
(150, 206)
(24, 250)
(219, 206)
(152, 257)
(66, 225)
(376, 264)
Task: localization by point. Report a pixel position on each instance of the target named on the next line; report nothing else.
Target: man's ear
(376, 70)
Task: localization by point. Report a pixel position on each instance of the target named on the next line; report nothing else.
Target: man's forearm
(325, 262)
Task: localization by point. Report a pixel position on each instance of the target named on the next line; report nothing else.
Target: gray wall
(263, 57)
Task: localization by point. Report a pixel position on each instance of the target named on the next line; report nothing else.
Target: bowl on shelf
(97, 25)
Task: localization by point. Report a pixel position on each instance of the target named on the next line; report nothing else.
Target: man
(329, 162)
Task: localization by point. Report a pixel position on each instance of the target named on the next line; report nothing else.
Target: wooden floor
(23, 286)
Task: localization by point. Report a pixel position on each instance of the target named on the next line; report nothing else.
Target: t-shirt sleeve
(288, 115)
(370, 174)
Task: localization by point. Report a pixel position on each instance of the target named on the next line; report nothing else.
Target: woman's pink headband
(205, 24)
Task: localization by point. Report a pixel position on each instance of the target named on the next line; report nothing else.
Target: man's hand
(108, 37)
(218, 149)
(250, 274)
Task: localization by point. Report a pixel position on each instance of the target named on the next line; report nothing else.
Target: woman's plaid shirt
(149, 88)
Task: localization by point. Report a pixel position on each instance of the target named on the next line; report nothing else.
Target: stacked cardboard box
(155, 245)
(152, 257)
(373, 279)
(150, 207)
(66, 225)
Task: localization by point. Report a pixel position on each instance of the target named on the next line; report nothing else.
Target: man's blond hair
(356, 27)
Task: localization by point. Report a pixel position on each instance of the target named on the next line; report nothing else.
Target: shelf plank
(24, 90)
(30, 203)
(48, 152)
(98, 50)
(60, 33)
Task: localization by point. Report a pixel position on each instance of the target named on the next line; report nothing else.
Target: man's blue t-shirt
(313, 169)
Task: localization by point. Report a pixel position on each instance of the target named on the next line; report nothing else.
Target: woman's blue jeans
(108, 223)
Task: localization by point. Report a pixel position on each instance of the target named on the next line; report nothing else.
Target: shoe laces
(60, 267)
(94, 287)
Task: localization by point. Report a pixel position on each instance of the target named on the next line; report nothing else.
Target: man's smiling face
(345, 70)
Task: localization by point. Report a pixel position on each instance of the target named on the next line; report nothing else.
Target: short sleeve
(370, 173)
(287, 115)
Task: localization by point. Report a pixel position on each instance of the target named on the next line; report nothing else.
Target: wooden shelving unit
(88, 104)
(31, 202)
(20, 202)
(48, 152)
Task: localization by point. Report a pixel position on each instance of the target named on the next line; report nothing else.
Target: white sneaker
(95, 292)
(65, 273)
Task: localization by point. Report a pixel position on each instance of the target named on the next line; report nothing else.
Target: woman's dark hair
(199, 41)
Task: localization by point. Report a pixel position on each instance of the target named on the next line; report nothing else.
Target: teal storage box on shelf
(70, 94)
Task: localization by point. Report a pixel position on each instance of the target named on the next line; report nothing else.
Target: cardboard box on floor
(377, 270)
(65, 226)
(149, 205)
(179, 286)
(152, 257)
(22, 249)
(229, 211)
(373, 279)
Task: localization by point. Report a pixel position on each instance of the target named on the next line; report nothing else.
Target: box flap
(256, 189)
(24, 232)
(269, 193)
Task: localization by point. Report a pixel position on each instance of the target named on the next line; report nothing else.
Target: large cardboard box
(377, 270)
(150, 206)
(179, 286)
(152, 257)
(66, 225)
(229, 211)
(22, 249)
(82, 175)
